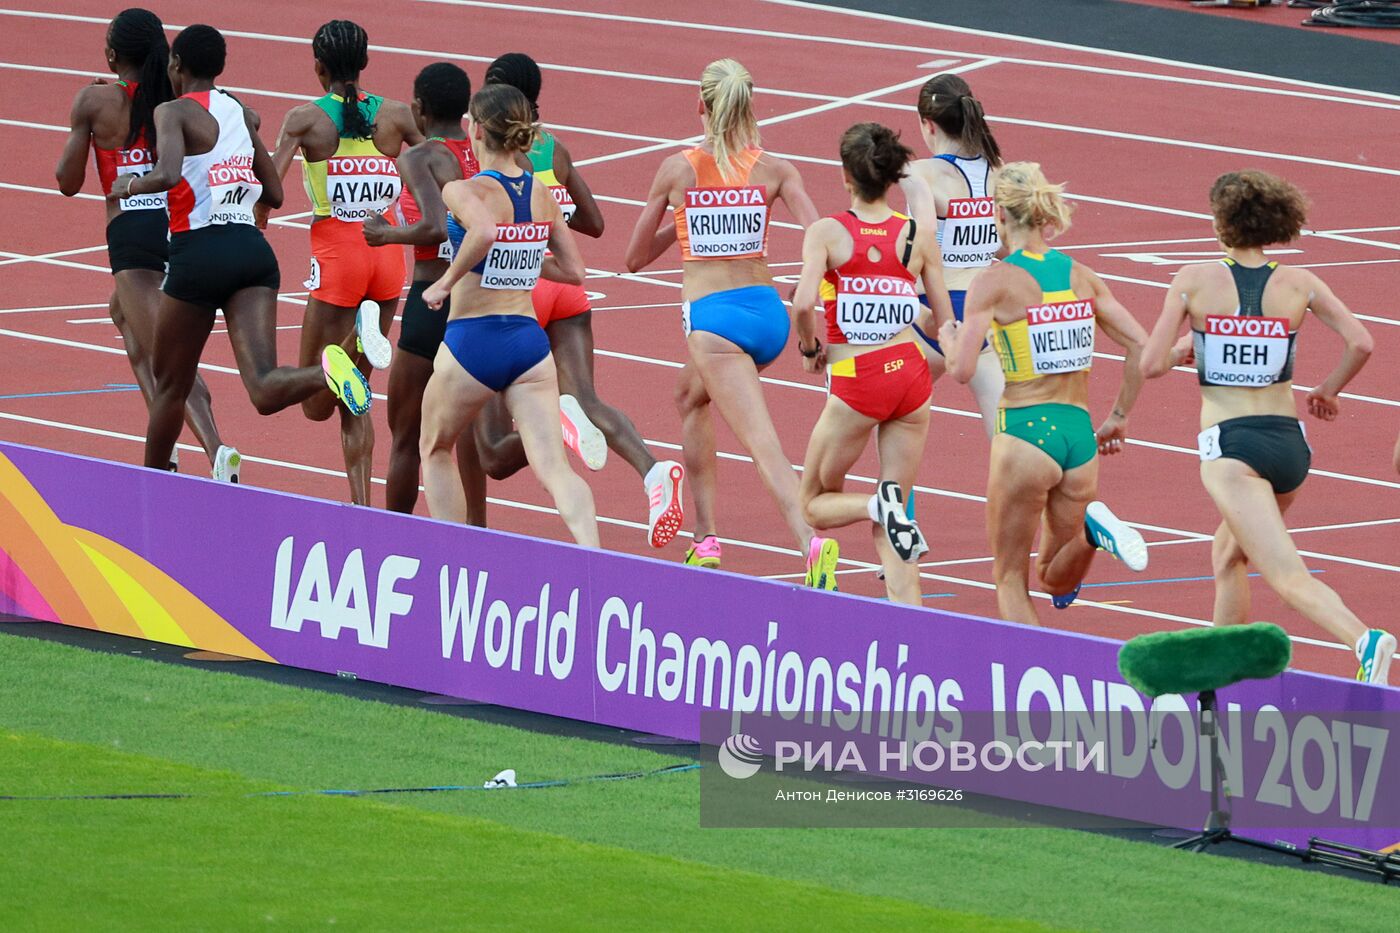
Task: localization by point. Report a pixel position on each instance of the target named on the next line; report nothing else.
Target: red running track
(1138, 141)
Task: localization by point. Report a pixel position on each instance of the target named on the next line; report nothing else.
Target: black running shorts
(210, 265)
(1274, 446)
(422, 329)
(137, 240)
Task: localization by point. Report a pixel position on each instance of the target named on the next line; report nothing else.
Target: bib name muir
(1245, 351)
(726, 222)
(970, 237)
(1061, 336)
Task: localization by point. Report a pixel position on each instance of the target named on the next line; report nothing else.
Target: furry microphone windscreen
(1204, 658)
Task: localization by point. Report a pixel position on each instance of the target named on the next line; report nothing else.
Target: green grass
(625, 854)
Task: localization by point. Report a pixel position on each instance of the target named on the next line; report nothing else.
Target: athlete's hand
(1112, 434)
(375, 226)
(1322, 405)
(121, 187)
(260, 214)
(435, 294)
(1184, 352)
(815, 364)
(948, 337)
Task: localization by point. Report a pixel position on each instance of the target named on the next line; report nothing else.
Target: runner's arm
(72, 163)
(170, 130)
(475, 217)
(1358, 344)
(1123, 329)
(417, 171)
(940, 306)
(588, 216)
(289, 139)
(962, 344)
(264, 168)
(648, 242)
(816, 250)
(1162, 351)
(792, 193)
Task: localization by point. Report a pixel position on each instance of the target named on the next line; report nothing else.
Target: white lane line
(751, 545)
(52, 308)
(64, 263)
(1365, 524)
(21, 258)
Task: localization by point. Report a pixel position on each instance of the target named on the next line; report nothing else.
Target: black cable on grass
(436, 789)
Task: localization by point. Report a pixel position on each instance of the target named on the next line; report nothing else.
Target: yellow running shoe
(704, 553)
(822, 555)
(346, 380)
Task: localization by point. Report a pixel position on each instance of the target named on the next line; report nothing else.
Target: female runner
(1244, 313)
(216, 168)
(118, 122)
(349, 141)
(863, 264)
(564, 313)
(1042, 309)
(441, 94)
(494, 344)
(721, 193)
(962, 174)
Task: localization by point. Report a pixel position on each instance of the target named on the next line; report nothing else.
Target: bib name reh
(1061, 336)
(1244, 350)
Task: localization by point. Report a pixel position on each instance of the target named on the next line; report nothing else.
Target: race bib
(446, 250)
(233, 190)
(139, 161)
(1061, 337)
(313, 281)
(726, 223)
(968, 236)
(1208, 443)
(873, 309)
(564, 200)
(359, 184)
(1244, 351)
(516, 257)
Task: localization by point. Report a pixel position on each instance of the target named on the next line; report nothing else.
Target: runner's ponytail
(946, 101)
(1030, 201)
(137, 37)
(342, 47)
(726, 89)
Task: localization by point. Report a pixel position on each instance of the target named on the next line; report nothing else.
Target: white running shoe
(581, 435)
(1112, 534)
(903, 532)
(227, 464)
(664, 482)
(374, 345)
(1374, 651)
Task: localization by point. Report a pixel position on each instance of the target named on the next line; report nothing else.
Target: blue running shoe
(1065, 600)
(1110, 533)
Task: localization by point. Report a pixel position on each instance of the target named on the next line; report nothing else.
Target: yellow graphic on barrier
(59, 573)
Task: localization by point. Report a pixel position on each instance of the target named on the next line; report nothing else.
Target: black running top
(1250, 283)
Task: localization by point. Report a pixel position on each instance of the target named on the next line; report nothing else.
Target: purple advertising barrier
(538, 625)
